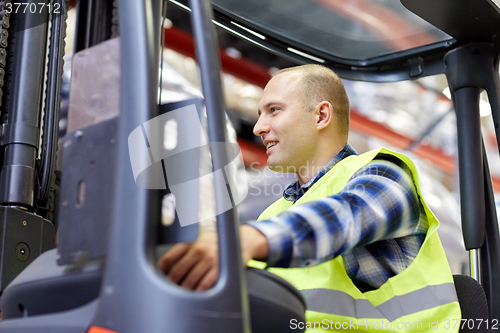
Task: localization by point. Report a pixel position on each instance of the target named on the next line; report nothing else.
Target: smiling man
(352, 233)
(301, 129)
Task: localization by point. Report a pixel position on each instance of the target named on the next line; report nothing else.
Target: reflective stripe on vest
(340, 303)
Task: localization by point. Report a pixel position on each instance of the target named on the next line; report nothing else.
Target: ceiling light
(484, 108)
(447, 92)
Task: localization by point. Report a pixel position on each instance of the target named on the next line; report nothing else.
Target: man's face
(287, 129)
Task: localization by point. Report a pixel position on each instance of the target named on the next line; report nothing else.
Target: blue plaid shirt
(376, 223)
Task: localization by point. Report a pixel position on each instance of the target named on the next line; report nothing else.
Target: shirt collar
(294, 191)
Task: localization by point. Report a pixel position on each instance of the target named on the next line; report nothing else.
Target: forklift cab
(388, 41)
(110, 284)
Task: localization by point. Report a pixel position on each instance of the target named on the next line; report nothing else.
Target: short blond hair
(322, 84)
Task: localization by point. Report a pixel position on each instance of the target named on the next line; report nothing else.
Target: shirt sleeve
(378, 202)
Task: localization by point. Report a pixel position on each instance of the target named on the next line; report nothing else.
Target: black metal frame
(23, 104)
(470, 69)
(93, 23)
(405, 65)
(53, 102)
(17, 179)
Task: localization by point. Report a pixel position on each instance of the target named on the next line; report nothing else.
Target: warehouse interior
(409, 111)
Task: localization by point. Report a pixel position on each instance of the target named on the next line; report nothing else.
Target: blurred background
(412, 117)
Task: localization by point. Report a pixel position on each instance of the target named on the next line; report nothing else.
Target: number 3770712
(471, 323)
(33, 8)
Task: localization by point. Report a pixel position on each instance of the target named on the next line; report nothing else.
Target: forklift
(106, 202)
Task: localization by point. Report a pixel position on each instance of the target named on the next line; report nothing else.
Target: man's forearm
(254, 244)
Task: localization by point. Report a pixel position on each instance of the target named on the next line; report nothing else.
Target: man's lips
(269, 143)
(271, 148)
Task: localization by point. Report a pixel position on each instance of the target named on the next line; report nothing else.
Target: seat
(473, 304)
(273, 302)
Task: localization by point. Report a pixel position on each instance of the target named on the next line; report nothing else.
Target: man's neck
(311, 168)
(305, 176)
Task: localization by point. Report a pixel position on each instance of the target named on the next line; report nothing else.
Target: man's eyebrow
(268, 105)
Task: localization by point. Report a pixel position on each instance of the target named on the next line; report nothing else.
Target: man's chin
(279, 167)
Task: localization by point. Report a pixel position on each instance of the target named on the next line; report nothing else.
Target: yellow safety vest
(422, 298)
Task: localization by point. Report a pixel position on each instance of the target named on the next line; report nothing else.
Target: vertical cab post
(470, 69)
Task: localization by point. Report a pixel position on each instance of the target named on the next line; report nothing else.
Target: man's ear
(324, 114)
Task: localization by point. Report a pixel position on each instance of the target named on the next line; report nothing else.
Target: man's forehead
(283, 83)
(280, 89)
(290, 76)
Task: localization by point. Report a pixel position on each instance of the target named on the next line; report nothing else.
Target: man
(353, 226)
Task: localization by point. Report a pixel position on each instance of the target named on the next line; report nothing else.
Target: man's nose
(261, 127)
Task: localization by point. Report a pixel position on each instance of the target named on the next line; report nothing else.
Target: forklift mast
(90, 288)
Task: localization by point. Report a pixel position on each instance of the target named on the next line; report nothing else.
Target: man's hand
(195, 265)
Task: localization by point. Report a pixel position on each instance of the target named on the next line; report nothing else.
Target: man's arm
(379, 202)
(195, 265)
